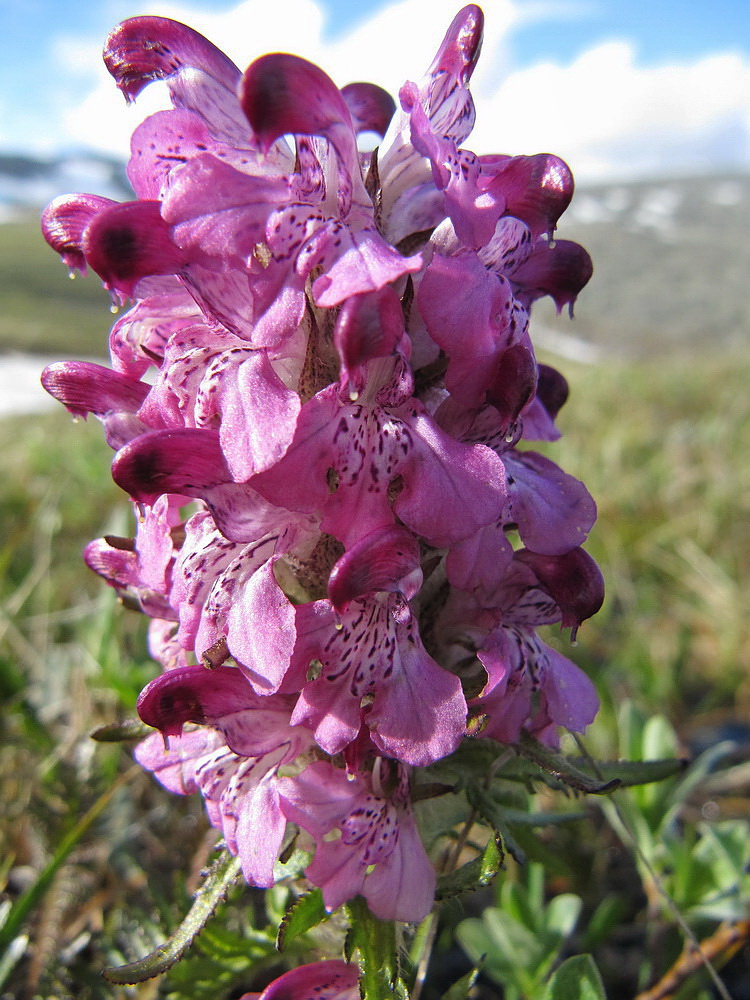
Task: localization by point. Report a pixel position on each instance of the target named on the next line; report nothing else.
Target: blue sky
(616, 86)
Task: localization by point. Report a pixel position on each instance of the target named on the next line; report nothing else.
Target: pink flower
(379, 853)
(234, 762)
(320, 400)
(331, 980)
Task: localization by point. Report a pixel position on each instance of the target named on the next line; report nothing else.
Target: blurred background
(649, 103)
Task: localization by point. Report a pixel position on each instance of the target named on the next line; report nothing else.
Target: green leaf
(460, 990)
(221, 877)
(608, 914)
(222, 944)
(561, 767)
(12, 956)
(562, 914)
(577, 979)
(637, 772)
(541, 818)
(305, 913)
(495, 814)
(473, 875)
(508, 950)
(659, 738)
(119, 732)
(375, 940)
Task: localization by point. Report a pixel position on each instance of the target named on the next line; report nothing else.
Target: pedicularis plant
(344, 544)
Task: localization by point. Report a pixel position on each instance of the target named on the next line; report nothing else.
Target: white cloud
(610, 117)
(604, 113)
(394, 44)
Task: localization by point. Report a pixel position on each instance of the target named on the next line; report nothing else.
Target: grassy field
(663, 447)
(42, 309)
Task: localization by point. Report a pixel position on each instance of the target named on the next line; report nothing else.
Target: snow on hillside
(28, 183)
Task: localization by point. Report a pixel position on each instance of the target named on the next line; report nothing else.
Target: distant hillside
(27, 183)
(41, 309)
(671, 265)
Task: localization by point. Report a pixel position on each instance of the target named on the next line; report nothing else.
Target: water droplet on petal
(72, 274)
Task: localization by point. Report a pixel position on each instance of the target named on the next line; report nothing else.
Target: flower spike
(321, 400)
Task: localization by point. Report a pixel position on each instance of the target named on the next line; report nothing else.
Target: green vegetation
(41, 309)
(662, 446)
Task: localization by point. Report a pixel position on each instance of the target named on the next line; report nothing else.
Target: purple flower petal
(252, 725)
(64, 223)
(138, 339)
(282, 94)
(220, 211)
(369, 325)
(473, 202)
(477, 562)
(569, 698)
(354, 261)
(450, 490)
(258, 413)
(537, 189)
(513, 385)
(448, 103)
(175, 767)
(128, 242)
(553, 510)
(143, 49)
(375, 831)
(552, 390)
(370, 107)
(572, 579)
(330, 980)
(470, 312)
(84, 387)
(261, 630)
(374, 652)
(184, 461)
(560, 269)
(192, 463)
(259, 833)
(385, 560)
(162, 143)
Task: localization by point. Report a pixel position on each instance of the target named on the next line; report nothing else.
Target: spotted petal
(330, 980)
(373, 652)
(199, 76)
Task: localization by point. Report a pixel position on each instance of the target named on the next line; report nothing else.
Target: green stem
(375, 941)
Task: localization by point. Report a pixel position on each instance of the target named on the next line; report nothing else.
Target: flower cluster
(344, 543)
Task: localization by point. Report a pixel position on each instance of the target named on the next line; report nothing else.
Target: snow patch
(656, 210)
(727, 194)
